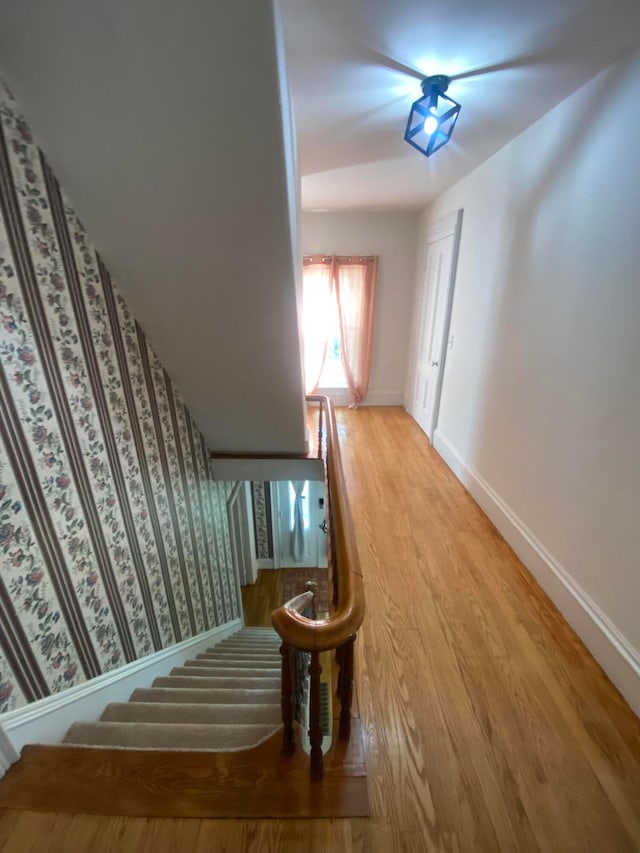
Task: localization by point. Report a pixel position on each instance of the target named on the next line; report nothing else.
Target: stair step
(266, 637)
(205, 667)
(262, 648)
(258, 648)
(191, 682)
(249, 651)
(253, 630)
(227, 698)
(271, 640)
(196, 712)
(169, 735)
(232, 663)
(229, 654)
(235, 696)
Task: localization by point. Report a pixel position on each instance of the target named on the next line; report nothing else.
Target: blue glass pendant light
(432, 117)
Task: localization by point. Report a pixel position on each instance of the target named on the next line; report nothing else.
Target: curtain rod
(339, 257)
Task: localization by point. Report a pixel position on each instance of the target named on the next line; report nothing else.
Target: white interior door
(313, 552)
(433, 323)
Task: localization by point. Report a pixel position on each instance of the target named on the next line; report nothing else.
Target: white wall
(392, 236)
(540, 407)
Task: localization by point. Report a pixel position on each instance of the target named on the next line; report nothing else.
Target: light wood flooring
(259, 600)
(488, 725)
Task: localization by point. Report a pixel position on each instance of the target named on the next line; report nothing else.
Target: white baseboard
(340, 397)
(619, 659)
(47, 720)
(8, 753)
(265, 563)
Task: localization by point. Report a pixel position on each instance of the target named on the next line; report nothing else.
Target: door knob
(435, 363)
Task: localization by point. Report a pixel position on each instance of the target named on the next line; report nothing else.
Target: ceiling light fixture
(432, 117)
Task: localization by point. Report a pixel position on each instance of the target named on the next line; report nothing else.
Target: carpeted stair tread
(254, 629)
(209, 668)
(213, 662)
(192, 681)
(234, 654)
(225, 699)
(237, 696)
(271, 642)
(268, 651)
(201, 713)
(232, 663)
(221, 738)
(245, 660)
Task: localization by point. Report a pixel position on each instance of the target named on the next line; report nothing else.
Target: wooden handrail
(339, 628)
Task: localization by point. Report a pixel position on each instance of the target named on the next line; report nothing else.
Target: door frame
(241, 534)
(278, 510)
(448, 226)
(275, 525)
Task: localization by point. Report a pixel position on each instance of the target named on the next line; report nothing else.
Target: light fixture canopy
(432, 117)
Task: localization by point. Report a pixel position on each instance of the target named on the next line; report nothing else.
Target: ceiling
(355, 67)
(168, 126)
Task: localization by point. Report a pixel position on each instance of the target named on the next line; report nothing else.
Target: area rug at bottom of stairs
(294, 584)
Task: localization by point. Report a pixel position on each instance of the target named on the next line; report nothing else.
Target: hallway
(489, 727)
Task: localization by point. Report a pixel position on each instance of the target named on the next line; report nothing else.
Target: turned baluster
(312, 587)
(320, 410)
(286, 700)
(345, 686)
(315, 725)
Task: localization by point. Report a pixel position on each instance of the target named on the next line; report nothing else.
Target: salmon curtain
(354, 285)
(317, 295)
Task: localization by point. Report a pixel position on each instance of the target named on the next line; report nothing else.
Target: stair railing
(304, 637)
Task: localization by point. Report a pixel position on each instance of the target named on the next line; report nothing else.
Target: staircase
(204, 741)
(227, 699)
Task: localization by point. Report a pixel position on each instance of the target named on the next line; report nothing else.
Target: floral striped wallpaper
(113, 536)
(263, 534)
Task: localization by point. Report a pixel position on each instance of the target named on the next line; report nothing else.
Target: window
(332, 375)
(338, 298)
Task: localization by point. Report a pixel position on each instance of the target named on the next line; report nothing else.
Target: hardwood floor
(488, 725)
(261, 782)
(264, 596)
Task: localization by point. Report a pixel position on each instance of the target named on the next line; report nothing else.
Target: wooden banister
(340, 626)
(306, 637)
